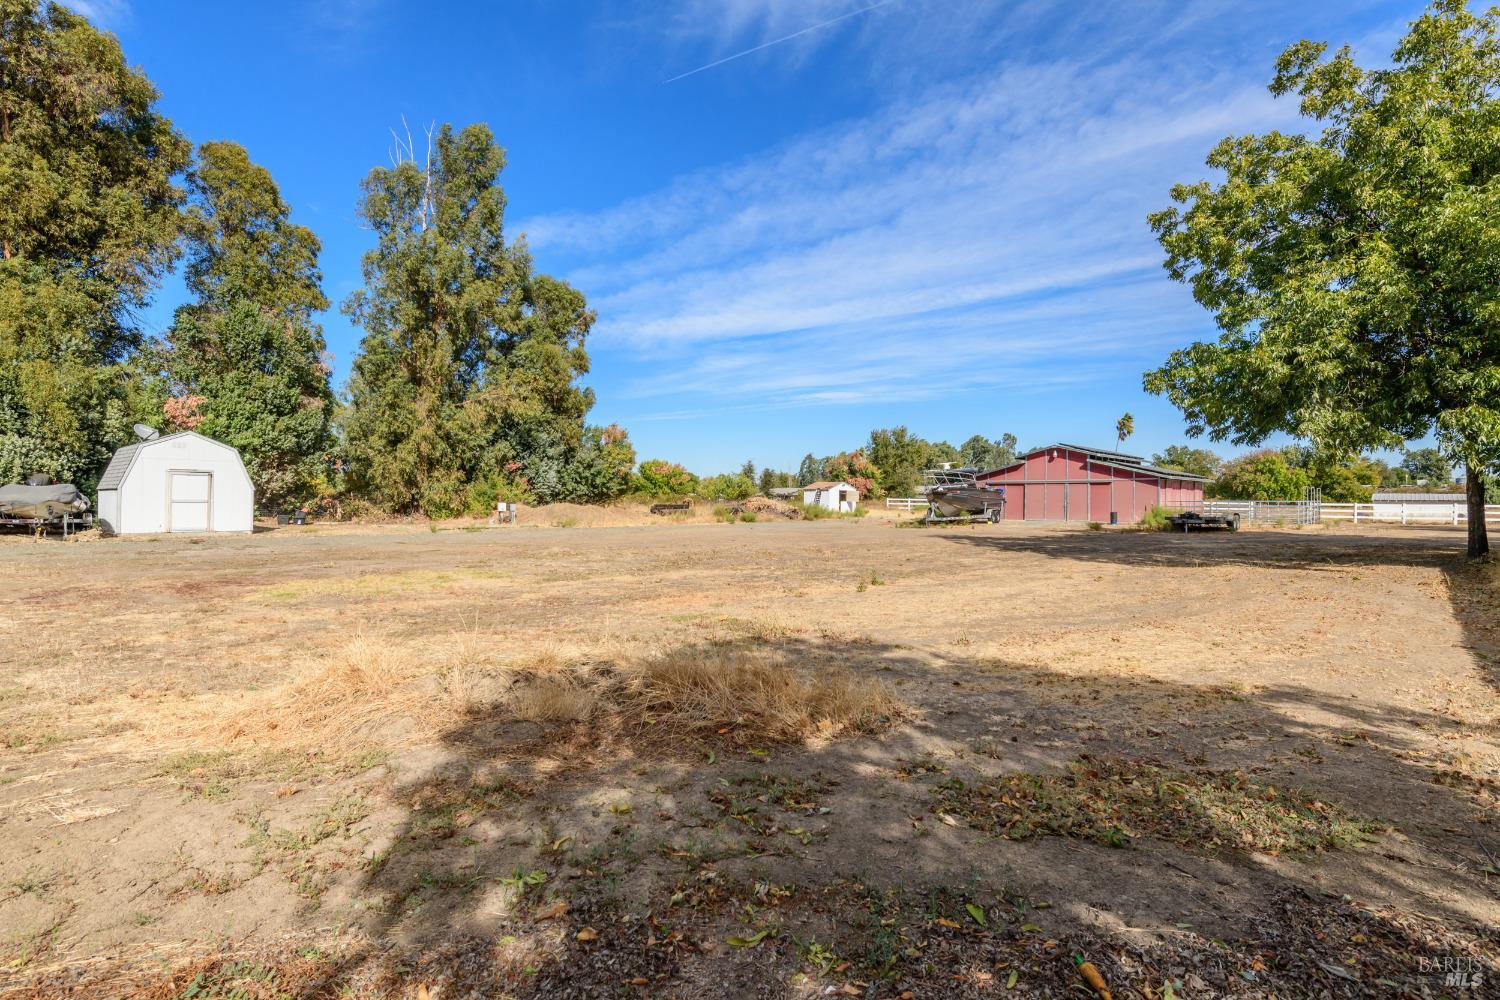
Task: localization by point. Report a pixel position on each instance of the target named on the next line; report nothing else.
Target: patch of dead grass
(383, 693)
(709, 687)
(1114, 802)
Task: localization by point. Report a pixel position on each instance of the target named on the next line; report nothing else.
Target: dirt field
(760, 759)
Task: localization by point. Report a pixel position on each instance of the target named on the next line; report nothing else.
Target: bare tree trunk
(1479, 536)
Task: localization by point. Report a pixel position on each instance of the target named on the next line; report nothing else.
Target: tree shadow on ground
(1472, 588)
(664, 853)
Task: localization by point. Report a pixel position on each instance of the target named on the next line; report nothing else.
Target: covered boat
(41, 503)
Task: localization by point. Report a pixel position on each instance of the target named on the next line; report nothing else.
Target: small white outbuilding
(181, 482)
(839, 496)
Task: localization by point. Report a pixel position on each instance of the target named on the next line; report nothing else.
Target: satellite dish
(145, 431)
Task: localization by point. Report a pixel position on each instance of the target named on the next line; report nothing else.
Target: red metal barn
(1067, 482)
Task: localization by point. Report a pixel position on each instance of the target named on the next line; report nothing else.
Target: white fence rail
(1304, 512)
(1406, 513)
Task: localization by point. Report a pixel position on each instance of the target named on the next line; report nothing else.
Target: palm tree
(1124, 427)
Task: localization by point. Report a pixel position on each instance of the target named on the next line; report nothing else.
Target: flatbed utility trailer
(992, 514)
(1190, 519)
(39, 525)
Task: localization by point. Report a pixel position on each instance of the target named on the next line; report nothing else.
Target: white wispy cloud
(110, 14)
(989, 232)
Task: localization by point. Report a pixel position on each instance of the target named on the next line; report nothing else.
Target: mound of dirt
(766, 507)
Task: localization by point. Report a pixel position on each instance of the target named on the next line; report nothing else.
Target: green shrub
(815, 513)
(727, 487)
(724, 514)
(747, 515)
(1095, 526)
(488, 490)
(1155, 519)
(660, 478)
(444, 498)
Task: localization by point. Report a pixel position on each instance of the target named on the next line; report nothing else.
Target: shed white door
(190, 495)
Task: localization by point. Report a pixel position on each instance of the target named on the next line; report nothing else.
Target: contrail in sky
(783, 38)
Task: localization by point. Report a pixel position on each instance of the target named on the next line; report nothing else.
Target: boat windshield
(949, 478)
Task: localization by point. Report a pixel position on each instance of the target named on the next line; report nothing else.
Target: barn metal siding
(1063, 483)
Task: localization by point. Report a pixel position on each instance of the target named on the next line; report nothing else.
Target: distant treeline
(890, 463)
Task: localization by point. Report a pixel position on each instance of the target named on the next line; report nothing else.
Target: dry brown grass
(382, 693)
(709, 687)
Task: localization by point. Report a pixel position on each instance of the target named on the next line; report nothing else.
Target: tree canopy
(247, 353)
(1429, 464)
(89, 220)
(981, 453)
(470, 359)
(1354, 273)
(1184, 458)
(1261, 475)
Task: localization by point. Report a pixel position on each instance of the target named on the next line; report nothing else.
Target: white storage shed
(838, 496)
(181, 482)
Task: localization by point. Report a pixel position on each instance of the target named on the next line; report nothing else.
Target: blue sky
(797, 219)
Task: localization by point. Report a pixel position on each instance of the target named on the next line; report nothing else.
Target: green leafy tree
(770, 479)
(981, 453)
(730, 486)
(1340, 478)
(470, 359)
(1429, 464)
(810, 471)
(1197, 461)
(659, 478)
(1261, 475)
(1124, 427)
(976, 452)
(1006, 451)
(899, 456)
(89, 220)
(1354, 273)
(601, 467)
(248, 348)
(941, 453)
(1393, 475)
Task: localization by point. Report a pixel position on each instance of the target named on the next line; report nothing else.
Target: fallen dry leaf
(1092, 976)
(587, 934)
(552, 910)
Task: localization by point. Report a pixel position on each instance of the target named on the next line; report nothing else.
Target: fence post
(1356, 512)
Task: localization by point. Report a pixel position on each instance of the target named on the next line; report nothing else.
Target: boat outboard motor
(38, 479)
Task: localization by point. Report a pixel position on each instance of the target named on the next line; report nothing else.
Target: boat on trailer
(41, 504)
(957, 494)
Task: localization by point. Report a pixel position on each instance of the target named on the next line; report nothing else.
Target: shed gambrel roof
(114, 473)
(119, 465)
